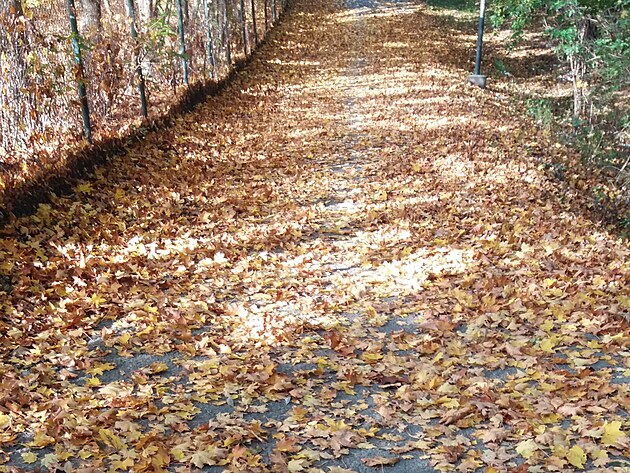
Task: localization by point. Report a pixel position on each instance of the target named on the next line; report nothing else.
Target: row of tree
(120, 54)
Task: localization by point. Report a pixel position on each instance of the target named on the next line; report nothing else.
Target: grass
(455, 10)
(467, 6)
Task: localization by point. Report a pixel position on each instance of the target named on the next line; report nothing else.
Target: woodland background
(581, 94)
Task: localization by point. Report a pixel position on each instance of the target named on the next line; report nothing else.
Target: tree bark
(226, 35)
(243, 26)
(14, 107)
(91, 24)
(186, 12)
(254, 26)
(579, 66)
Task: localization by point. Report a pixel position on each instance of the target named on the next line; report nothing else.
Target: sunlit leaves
(202, 458)
(527, 448)
(4, 420)
(576, 456)
(29, 457)
(263, 287)
(612, 433)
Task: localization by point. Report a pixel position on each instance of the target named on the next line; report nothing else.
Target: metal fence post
(80, 73)
(477, 78)
(182, 41)
(138, 63)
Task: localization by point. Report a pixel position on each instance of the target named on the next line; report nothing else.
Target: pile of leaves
(350, 259)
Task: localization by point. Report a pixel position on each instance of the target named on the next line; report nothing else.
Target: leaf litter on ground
(347, 261)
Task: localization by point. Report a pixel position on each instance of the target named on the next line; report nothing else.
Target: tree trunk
(226, 35)
(266, 8)
(254, 26)
(14, 106)
(91, 19)
(577, 71)
(243, 26)
(146, 9)
(579, 66)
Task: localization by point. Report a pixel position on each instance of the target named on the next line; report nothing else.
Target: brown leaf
(454, 415)
(381, 461)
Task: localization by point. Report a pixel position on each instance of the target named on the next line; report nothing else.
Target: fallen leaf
(526, 448)
(576, 456)
(612, 432)
(380, 461)
(4, 420)
(295, 466)
(29, 457)
(202, 458)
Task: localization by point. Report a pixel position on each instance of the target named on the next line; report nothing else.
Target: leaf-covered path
(348, 261)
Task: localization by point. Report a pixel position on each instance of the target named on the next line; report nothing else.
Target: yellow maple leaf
(97, 300)
(178, 454)
(371, 357)
(63, 456)
(526, 448)
(41, 440)
(600, 457)
(548, 344)
(576, 456)
(100, 368)
(547, 326)
(296, 466)
(85, 454)
(158, 367)
(612, 432)
(29, 457)
(111, 439)
(4, 420)
(124, 465)
(84, 188)
(92, 382)
(124, 338)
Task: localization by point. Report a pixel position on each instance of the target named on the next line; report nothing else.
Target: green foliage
(613, 48)
(565, 21)
(541, 110)
(592, 37)
(462, 5)
(159, 42)
(594, 7)
(500, 67)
